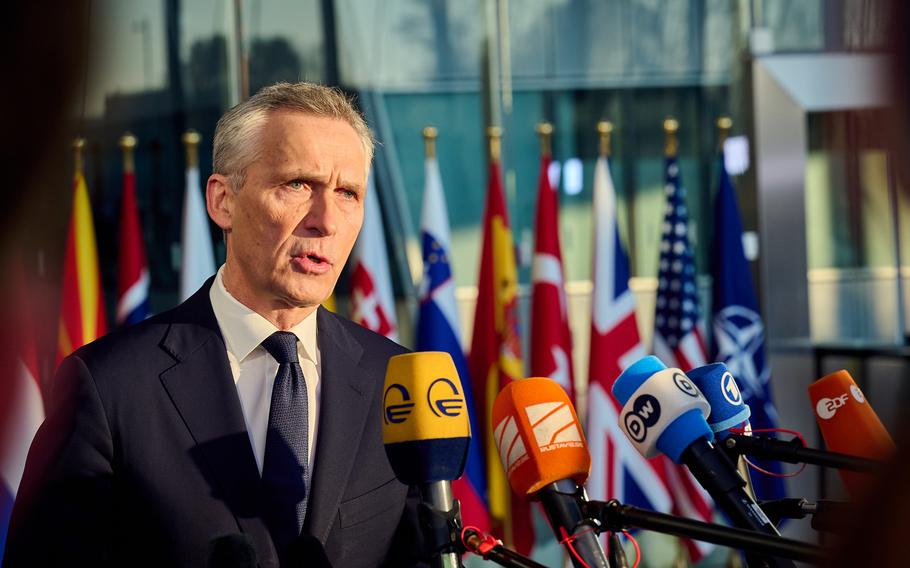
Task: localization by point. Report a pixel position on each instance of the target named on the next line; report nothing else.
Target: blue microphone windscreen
(635, 374)
(728, 409)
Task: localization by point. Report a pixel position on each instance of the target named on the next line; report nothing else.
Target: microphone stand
(827, 516)
(614, 517)
(442, 533)
(793, 451)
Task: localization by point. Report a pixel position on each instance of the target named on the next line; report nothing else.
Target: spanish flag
(82, 315)
(495, 358)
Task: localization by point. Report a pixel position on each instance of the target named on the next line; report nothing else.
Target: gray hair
(234, 146)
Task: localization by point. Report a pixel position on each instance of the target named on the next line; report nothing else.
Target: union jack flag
(617, 469)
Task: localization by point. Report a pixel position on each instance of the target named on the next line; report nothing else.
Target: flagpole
(78, 147)
(429, 141)
(671, 142)
(128, 144)
(605, 136)
(545, 132)
(494, 140)
(191, 140)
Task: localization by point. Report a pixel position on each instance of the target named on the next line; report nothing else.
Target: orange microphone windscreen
(538, 435)
(848, 424)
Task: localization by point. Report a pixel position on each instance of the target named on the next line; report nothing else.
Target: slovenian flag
(438, 329)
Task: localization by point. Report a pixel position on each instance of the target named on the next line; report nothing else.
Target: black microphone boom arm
(793, 451)
(615, 517)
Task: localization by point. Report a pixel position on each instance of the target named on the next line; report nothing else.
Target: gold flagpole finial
(78, 148)
(724, 125)
(128, 145)
(494, 134)
(191, 140)
(605, 134)
(671, 144)
(429, 141)
(545, 131)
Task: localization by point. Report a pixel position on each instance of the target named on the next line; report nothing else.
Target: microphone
(543, 451)
(231, 551)
(426, 432)
(849, 425)
(664, 412)
(728, 409)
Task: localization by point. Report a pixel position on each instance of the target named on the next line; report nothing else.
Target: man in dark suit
(247, 410)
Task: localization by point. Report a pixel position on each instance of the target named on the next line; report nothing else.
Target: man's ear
(219, 200)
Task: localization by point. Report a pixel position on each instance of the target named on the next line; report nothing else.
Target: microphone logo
(730, 390)
(396, 404)
(857, 394)
(554, 426)
(450, 407)
(645, 413)
(512, 450)
(827, 407)
(683, 383)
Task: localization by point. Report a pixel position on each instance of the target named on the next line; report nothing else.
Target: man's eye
(348, 194)
(296, 184)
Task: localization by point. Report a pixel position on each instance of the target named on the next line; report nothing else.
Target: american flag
(678, 341)
(617, 469)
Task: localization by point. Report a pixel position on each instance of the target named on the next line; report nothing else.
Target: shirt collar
(244, 330)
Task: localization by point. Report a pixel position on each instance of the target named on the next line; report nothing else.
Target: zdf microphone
(848, 424)
(543, 451)
(426, 432)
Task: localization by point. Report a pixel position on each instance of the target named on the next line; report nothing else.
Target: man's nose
(322, 215)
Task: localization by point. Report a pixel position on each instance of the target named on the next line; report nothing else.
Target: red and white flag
(372, 300)
(551, 338)
(133, 273)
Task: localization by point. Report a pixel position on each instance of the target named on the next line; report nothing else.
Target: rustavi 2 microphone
(543, 451)
(849, 425)
(663, 412)
(426, 431)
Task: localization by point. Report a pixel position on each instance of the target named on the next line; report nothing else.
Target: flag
(372, 302)
(438, 329)
(678, 341)
(133, 277)
(495, 358)
(739, 335)
(551, 339)
(25, 410)
(197, 260)
(618, 471)
(82, 313)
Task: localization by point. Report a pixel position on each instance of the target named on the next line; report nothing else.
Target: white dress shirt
(254, 369)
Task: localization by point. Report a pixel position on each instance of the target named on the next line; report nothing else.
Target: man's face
(292, 225)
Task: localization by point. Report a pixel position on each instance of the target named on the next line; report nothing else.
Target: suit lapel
(347, 391)
(200, 385)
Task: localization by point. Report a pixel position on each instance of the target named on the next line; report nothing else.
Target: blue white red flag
(678, 341)
(739, 335)
(618, 471)
(133, 273)
(438, 329)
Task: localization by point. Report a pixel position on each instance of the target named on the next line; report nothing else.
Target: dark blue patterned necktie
(285, 479)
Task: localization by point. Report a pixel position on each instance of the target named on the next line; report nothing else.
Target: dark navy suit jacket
(144, 457)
